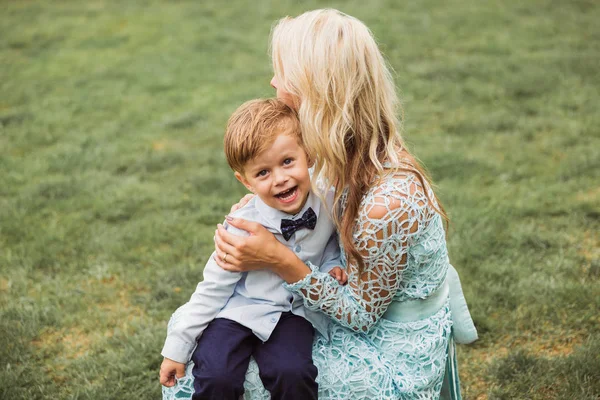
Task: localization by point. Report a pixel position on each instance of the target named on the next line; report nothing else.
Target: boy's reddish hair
(253, 127)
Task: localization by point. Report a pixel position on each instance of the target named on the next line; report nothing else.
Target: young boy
(232, 316)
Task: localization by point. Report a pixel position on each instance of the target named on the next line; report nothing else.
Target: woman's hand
(244, 200)
(260, 250)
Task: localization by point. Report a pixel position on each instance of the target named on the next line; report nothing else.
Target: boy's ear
(243, 180)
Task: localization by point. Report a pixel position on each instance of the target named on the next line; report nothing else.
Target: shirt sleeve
(331, 254)
(191, 319)
(385, 226)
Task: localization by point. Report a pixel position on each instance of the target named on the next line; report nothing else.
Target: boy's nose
(280, 177)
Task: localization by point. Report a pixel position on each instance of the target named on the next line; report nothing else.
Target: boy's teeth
(286, 194)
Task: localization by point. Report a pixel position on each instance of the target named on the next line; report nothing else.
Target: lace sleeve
(389, 218)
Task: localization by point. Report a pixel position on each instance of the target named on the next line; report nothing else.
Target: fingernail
(228, 218)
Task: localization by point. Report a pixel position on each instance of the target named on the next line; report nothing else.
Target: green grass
(112, 178)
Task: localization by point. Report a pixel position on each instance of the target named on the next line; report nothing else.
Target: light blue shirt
(255, 299)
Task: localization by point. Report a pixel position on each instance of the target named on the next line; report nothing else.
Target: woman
(392, 332)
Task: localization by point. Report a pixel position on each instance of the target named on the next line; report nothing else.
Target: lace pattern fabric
(402, 240)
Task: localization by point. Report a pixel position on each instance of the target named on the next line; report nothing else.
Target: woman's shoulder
(396, 191)
(402, 181)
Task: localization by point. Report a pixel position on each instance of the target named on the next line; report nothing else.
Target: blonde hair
(347, 104)
(253, 127)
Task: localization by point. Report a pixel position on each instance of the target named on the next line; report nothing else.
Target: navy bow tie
(289, 226)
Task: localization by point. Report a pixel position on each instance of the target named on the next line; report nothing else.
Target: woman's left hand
(260, 250)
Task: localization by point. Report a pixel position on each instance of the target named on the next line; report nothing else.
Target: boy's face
(279, 175)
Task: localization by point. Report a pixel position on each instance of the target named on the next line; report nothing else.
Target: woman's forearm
(291, 269)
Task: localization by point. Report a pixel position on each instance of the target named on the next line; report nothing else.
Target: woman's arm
(383, 235)
(382, 239)
(260, 250)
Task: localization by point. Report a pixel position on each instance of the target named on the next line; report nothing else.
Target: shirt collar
(271, 217)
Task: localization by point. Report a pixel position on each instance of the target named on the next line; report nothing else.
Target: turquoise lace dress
(367, 354)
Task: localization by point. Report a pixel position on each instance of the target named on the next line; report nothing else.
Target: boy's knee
(216, 383)
(292, 381)
(293, 371)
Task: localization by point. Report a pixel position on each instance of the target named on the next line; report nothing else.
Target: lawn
(112, 177)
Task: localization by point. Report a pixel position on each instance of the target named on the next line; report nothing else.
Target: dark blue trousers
(284, 361)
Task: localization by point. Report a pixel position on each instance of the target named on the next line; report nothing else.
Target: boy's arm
(331, 255)
(191, 319)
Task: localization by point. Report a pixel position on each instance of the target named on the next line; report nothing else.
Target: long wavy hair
(347, 105)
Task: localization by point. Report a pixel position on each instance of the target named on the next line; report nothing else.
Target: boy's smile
(279, 175)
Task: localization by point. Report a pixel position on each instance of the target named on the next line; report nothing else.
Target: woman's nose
(273, 83)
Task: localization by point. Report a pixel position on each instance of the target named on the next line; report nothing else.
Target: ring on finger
(225, 257)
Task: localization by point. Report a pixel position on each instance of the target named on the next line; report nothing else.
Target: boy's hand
(339, 274)
(169, 370)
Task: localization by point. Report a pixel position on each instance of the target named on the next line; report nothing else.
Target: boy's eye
(262, 173)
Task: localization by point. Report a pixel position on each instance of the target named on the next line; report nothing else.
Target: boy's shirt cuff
(177, 350)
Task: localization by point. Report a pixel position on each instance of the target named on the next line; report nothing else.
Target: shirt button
(297, 249)
(273, 320)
